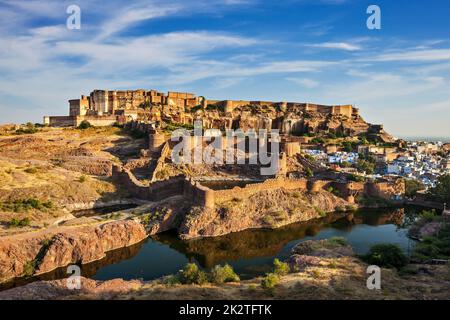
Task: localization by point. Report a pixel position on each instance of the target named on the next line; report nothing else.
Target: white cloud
(414, 56)
(337, 45)
(304, 82)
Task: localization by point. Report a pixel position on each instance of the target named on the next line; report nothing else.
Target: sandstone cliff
(41, 252)
(266, 209)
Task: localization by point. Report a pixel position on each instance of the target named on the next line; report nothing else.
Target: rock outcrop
(266, 209)
(33, 254)
(57, 289)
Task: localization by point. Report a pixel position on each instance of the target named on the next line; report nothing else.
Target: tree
(386, 255)
(412, 186)
(365, 166)
(84, 125)
(441, 192)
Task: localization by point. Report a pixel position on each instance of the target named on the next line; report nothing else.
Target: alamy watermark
(374, 20)
(212, 146)
(73, 282)
(374, 280)
(73, 21)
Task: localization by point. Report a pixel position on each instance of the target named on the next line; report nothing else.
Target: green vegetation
(441, 192)
(309, 172)
(29, 268)
(223, 274)
(280, 268)
(145, 105)
(365, 166)
(137, 134)
(28, 129)
(350, 146)
(337, 241)
(269, 220)
(24, 205)
(367, 201)
(195, 108)
(318, 141)
(434, 247)
(82, 178)
(191, 274)
(31, 170)
(84, 125)
(269, 282)
(356, 178)
(212, 107)
(412, 186)
(386, 255)
(14, 223)
(320, 212)
(426, 216)
(170, 127)
(155, 215)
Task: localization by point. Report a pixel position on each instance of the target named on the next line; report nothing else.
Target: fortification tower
(228, 107)
(156, 141)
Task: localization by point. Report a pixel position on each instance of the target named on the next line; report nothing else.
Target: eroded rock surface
(43, 252)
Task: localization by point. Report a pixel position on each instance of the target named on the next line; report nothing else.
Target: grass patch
(24, 205)
(31, 170)
(29, 268)
(338, 241)
(19, 223)
(320, 212)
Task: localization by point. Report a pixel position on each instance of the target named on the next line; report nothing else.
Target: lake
(250, 252)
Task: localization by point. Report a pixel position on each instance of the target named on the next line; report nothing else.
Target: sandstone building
(104, 108)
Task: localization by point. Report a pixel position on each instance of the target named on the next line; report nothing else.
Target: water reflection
(250, 252)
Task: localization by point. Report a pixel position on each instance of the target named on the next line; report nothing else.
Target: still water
(250, 252)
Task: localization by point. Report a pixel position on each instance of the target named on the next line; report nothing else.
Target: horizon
(320, 52)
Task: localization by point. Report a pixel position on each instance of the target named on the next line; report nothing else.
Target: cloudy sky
(294, 50)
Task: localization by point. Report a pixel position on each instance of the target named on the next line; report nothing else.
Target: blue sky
(295, 50)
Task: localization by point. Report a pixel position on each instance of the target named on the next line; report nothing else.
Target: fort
(105, 107)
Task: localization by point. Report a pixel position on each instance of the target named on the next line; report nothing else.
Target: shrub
(223, 274)
(269, 282)
(19, 223)
(434, 247)
(137, 134)
(412, 186)
(191, 274)
(31, 170)
(269, 220)
(25, 205)
(441, 192)
(296, 195)
(309, 172)
(171, 280)
(29, 268)
(341, 241)
(82, 178)
(386, 255)
(320, 212)
(280, 268)
(84, 125)
(356, 178)
(428, 216)
(365, 166)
